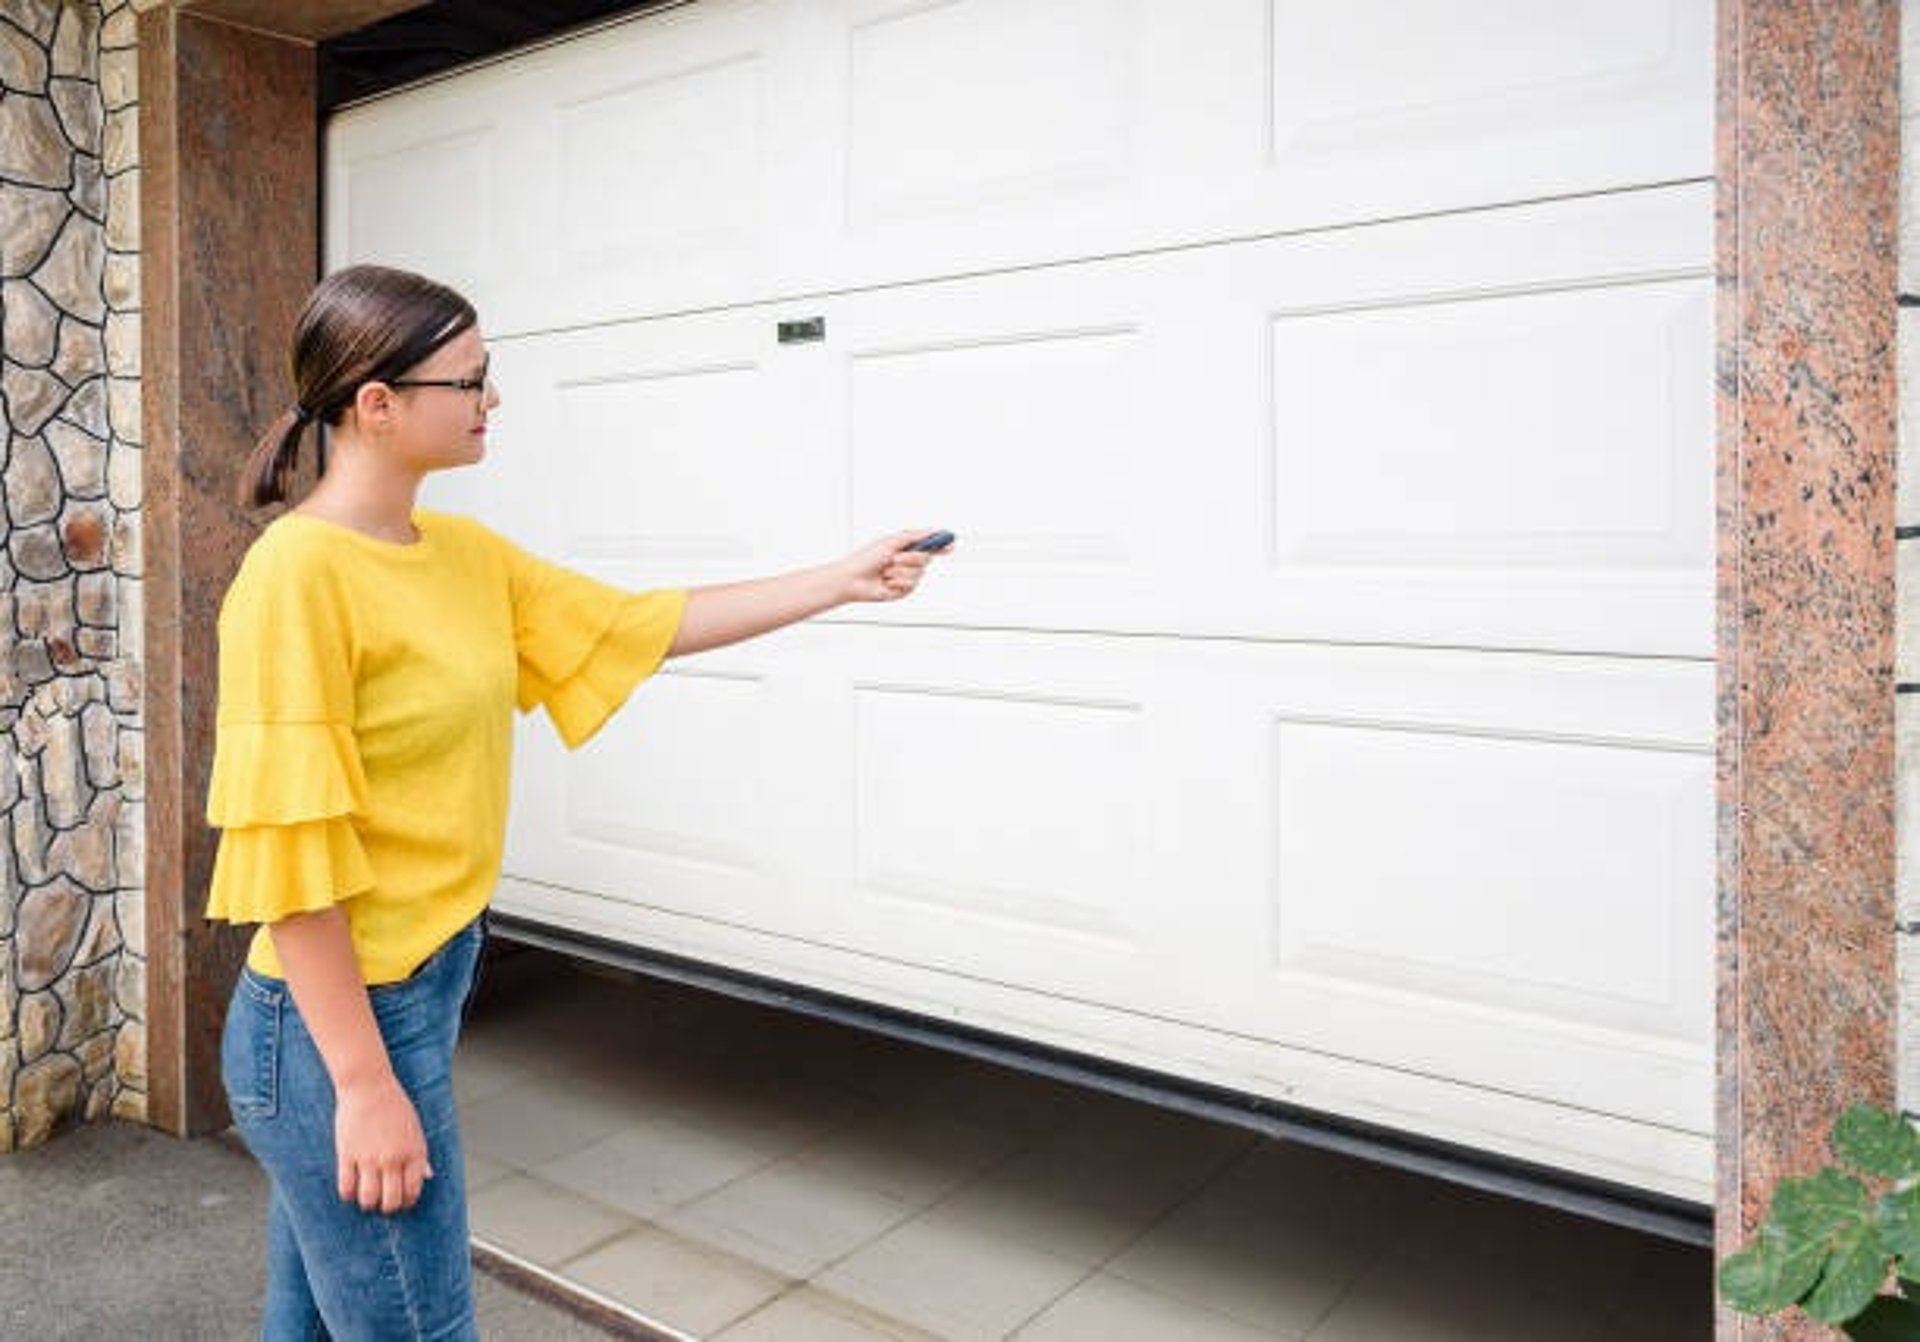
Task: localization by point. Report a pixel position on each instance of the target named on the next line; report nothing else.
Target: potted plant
(1832, 1240)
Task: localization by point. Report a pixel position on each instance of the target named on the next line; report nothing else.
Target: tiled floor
(746, 1175)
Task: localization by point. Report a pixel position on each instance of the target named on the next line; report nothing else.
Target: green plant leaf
(1856, 1266)
(1818, 1205)
(1887, 1319)
(1750, 1279)
(1899, 1216)
(1772, 1272)
(1877, 1141)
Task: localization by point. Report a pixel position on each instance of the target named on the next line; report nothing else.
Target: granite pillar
(230, 231)
(1808, 139)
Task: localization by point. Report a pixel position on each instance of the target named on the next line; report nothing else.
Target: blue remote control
(939, 540)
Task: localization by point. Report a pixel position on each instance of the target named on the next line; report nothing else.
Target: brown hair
(362, 324)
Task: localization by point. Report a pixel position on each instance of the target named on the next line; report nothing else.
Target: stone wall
(72, 938)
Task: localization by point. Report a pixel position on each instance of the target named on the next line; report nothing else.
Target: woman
(371, 653)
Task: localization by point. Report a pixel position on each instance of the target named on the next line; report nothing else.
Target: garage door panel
(728, 152)
(661, 453)
(1120, 454)
(1050, 790)
(414, 207)
(1528, 927)
(971, 102)
(1026, 438)
(1491, 99)
(632, 218)
(1528, 874)
(1089, 126)
(629, 193)
(711, 725)
(1393, 444)
(676, 804)
(666, 449)
(1361, 440)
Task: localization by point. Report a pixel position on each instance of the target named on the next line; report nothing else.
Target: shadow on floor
(745, 1174)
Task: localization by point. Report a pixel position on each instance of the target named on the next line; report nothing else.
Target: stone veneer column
(230, 246)
(72, 1006)
(1808, 121)
(1907, 505)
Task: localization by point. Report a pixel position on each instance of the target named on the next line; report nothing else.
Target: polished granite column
(1808, 141)
(229, 227)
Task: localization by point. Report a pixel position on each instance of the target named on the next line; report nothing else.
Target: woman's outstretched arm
(731, 612)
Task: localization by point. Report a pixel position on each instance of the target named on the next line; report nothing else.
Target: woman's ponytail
(268, 477)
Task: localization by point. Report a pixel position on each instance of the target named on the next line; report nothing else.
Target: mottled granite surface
(230, 217)
(1808, 164)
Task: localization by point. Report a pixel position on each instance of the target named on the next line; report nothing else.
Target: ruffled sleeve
(583, 645)
(287, 779)
(281, 773)
(267, 872)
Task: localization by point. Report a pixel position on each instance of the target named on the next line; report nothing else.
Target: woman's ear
(373, 407)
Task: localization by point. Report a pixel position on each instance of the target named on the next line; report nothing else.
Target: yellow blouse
(365, 726)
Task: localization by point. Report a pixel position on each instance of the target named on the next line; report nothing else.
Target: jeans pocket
(250, 1048)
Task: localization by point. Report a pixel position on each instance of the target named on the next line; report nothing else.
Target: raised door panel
(1381, 108)
(1486, 432)
(739, 151)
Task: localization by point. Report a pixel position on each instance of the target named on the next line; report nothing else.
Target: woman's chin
(475, 450)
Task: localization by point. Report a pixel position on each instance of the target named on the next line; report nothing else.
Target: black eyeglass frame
(456, 383)
(477, 385)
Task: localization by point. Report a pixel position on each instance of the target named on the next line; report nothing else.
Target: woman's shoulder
(286, 570)
(458, 529)
(287, 543)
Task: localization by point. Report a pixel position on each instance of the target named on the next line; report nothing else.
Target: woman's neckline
(419, 542)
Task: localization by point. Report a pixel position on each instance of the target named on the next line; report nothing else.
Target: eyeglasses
(477, 385)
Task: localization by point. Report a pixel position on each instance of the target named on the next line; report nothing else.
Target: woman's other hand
(887, 570)
(380, 1146)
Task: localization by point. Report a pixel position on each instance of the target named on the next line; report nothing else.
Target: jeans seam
(400, 1273)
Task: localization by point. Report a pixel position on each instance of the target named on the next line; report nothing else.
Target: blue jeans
(334, 1271)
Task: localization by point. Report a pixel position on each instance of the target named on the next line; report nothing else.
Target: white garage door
(1321, 702)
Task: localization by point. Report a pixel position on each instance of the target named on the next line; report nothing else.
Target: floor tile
(1084, 1201)
(688, 1288)
(955, 1280)
(540, 1119)
(907, 1154)
(480, 1072)
(1083, 1212)
(1272, 1271)
(805, 1314)
(539, 1222)
(482, 1170)
(791, 1216)
(513, 1038)
(1112, 1309)
(1421, 1302)
(649, 1167)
